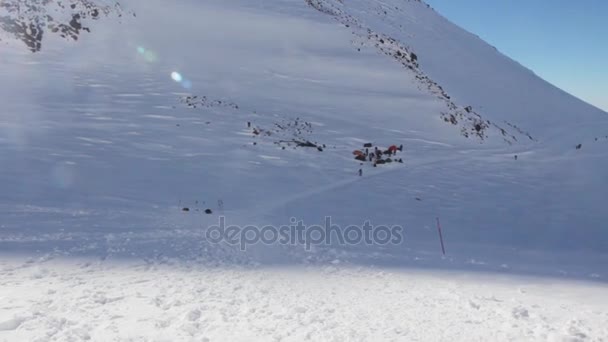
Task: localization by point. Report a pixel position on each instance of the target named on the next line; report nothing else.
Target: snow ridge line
(470, 122)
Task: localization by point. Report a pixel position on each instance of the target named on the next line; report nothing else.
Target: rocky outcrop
(31, 21)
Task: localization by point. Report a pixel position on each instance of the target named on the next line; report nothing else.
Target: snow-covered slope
(476, 74)
(105, 140)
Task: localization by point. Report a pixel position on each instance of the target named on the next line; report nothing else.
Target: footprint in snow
(520, 313)
(193, 315)
(575, 332)
(12, 324)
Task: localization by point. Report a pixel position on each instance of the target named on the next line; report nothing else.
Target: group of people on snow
(377, 156)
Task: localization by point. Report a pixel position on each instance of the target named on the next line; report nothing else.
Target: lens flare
(176, 76)
(186, 84)
(150, 56)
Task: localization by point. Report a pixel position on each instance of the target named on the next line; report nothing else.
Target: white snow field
(105, 140)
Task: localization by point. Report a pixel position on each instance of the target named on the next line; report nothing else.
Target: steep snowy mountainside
(472, 72)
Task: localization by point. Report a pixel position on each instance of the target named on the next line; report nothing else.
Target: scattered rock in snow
(32, 21)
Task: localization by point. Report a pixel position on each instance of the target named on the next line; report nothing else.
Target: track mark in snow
(159, 117)
(428, 142)
(129, 95)
(95, 140)
(269, 157)
(103, 118)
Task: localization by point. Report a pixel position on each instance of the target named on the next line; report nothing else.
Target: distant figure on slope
(392, 150)
(360, 172)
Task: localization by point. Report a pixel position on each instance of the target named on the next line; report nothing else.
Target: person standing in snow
(360, 172)
(392, 150)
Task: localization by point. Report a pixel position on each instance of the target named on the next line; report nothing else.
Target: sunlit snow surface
(99, 153)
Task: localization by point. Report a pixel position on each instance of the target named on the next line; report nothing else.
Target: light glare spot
(176, 76)
(150, 56)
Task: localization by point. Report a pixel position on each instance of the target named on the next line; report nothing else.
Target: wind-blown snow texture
(100, 150)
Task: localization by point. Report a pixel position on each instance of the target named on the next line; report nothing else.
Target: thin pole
(440, 236)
